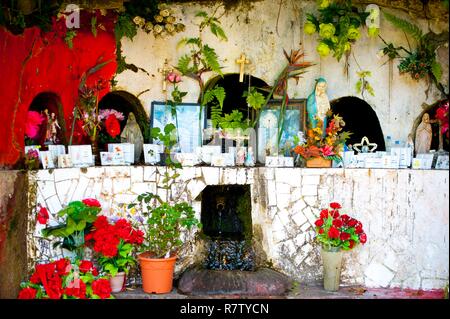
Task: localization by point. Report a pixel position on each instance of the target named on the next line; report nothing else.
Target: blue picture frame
(188, 121)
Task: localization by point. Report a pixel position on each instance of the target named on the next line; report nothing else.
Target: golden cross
(165, 71)
(242, 61)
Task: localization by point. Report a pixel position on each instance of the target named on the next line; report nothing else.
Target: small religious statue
(240, 156)
(242, 61)
(318, 105)
(250, 158)
(424, 135)
(132, 134)
(51, 134)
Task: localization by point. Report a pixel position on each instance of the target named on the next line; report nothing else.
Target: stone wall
(14, 192)
(405, 214)
(254, 28)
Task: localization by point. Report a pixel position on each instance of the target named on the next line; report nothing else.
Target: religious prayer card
(81, 155)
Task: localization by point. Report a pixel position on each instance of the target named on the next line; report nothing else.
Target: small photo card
(273, 161)
(81, 155)
(151, 153)
(47, 160)
(442, 162)
(112, 158)
(207, 151)
(126, 148)
(65, 161)
(287, 161)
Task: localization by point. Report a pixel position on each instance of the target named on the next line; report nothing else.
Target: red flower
(86, 266)
(358, 228)
(91, 202)
(321, 231)
(324, 213)
(352, 243)
(335, 205)
(101, 288)
(337, 223)
(94, 271)
(63, 266)
(335, 213)
(101, 222)
(112, 126)
(123, 229)
(344, 236)
(137, 237)
(319, 223)
(43, 216)
(27, 293)
(352, 222)
(54, 287)
(345, 218)
(363, 238)
(76, 288)
(327, 150)
(333, 232)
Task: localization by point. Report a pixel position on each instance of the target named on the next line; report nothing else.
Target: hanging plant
(420, 62)
(338, 25)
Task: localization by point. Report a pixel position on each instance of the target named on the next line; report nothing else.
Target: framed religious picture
(81, 155)
(294, 120)
(189, 119)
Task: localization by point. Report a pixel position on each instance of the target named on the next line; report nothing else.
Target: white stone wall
(405, 214)
(252, 29)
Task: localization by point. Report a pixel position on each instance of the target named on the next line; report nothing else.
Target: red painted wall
(33, 63)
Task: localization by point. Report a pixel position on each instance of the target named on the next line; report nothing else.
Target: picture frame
(126, 148)
(152, 153)
(186, 118)
(267, 127)
(112, 158)
(81, 155)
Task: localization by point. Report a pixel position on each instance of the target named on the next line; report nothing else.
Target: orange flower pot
(157, 274)
(318, 162)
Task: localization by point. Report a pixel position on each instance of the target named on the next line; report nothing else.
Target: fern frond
(216, 115)
(183, 64)
(412, 29)
(436, 69)
(218, 92)
(211, 59)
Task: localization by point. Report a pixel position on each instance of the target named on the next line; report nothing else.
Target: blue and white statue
(317, 105)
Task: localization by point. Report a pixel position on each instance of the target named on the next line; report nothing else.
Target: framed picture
(293, 122)
(112, 158)
(442, 162)
(189, 120)
(126, 148)
(151, 153)
(81, 155)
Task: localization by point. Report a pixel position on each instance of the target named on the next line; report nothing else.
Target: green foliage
(69, 38)
(94, 26)
(405, 26)
(125, 27)
(233, 121)
(168, 137)
(119, 263)
(363, 85)
(217, 93)
(164, 224)
(254, 99)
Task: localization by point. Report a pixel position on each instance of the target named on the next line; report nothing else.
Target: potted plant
(75, 221)
(336, 233)
(320, 148)
(63, 279)
(114, 245)
(164, 223)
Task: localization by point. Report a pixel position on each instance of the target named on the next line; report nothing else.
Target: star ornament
(360, 147)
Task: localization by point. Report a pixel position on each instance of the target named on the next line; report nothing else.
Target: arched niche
(360, 119)
(431, 110)
(51, 102)
(125, 102)
(234, 90)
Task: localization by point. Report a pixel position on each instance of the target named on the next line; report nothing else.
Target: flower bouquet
(75, 221)
(324, 145)
(62, 279)
(32, 159)
(113, 244)
(110, 126)
(336, 233)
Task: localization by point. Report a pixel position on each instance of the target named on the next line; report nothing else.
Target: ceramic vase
(332, 263)
(117, 282)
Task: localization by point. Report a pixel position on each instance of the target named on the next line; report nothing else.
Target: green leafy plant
(75, 221)
(233, 121)
(338, 25)
(363, 85)
(421, 61)
(203, 59)
(70, 35)
(169, 139)
(254, 99)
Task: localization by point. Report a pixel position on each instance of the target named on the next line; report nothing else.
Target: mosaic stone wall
(405, 214)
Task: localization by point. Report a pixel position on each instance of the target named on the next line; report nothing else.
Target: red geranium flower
(333, 232)
(352, 244)
(335, 213)
(337, 223)
(344, 236)
(335, 205)
(363, 238)
(358, 228)
(102, 288)
(63, 266)
(27, 293)
(112, 126)
(345, 218)
(324, 213)
(319, 223)
(43, 216)
(91, 202)
(321, 231)
(101, 222)
(352, 222)
(86, 266)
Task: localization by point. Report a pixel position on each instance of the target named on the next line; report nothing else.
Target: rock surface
(263, 282)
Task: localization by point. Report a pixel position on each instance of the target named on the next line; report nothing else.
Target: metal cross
(242, 61)
(165, 71)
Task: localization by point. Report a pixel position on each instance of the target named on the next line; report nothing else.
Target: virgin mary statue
(317, 105)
